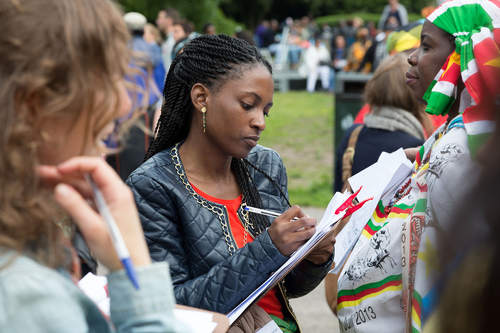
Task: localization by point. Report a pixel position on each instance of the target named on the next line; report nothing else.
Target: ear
(199, 95)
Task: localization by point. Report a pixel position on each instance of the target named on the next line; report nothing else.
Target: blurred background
(322, 52)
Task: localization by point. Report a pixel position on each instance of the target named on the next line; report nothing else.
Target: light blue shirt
(35, 298)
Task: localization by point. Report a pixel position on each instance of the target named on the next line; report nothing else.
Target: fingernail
(62, 189)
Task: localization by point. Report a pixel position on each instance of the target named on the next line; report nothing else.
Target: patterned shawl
(475, 24)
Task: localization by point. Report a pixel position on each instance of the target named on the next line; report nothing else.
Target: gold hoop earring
(204, 118)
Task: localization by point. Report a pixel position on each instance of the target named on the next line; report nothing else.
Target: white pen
(116, 236)
(264, 212)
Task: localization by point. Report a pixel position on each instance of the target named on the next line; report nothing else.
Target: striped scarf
(475, 24)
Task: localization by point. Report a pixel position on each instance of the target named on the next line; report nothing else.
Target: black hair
(210, 60)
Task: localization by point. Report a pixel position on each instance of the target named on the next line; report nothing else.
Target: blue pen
(116, 236)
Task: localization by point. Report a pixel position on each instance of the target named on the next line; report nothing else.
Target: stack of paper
(196, 321)
(322, 228)
(380, 181)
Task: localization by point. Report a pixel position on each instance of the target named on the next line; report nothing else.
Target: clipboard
(339, 207)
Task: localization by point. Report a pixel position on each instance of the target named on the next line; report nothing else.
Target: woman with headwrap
(389, 281)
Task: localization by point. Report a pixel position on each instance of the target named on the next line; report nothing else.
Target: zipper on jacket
(282, 289)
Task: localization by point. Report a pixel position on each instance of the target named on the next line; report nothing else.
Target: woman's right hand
(288, 235)
(119, 200)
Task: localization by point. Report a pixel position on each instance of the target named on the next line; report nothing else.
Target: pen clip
(348, 206)
(354, 208)
(348, 202)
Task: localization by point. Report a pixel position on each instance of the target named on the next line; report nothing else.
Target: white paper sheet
(95, 287)
(381, 180)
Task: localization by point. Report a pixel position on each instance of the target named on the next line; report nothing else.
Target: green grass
(300, 129)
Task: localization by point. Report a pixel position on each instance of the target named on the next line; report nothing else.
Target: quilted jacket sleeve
(306, 275)
(225, 284)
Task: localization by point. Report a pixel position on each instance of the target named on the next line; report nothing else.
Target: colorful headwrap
(475, 24)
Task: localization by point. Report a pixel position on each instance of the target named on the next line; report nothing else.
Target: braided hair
(210, 60)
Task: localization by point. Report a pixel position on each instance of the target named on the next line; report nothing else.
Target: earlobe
(199, 96)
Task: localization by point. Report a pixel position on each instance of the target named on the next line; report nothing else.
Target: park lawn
(300, 129)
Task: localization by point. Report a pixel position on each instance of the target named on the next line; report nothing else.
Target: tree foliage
(226, 13)
(280, 9)
(199, 12)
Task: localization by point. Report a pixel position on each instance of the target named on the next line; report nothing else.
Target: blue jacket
(371, 143)
(187, 231)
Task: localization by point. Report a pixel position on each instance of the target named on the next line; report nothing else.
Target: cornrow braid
(250, 194)
(210, 60)
(270, 179)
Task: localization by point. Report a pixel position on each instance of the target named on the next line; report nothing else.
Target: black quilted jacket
(184, 229)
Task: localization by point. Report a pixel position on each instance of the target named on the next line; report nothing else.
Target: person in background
(129, 153)
(209, 29)
(152, 35)
(357, 51)
(245, 35)
(339, 61)
(205, 167)
(147, 55)
(317, 60)
(63, 84)
(339, 53)
(378, 50)
(183, 32)
(164, 22)
(394, 14)
(350, 28)
(396, 120)
(264, 34)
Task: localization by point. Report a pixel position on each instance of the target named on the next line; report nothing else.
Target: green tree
(249, 13)
(197, 11)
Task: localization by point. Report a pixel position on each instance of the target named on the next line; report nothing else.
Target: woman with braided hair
(204, 167)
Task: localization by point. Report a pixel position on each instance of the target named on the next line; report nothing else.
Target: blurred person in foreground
(469, 260)
(63, 84)
(390, 277)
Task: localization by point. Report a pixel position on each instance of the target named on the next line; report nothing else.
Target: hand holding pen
(288, 235)
(72, 195)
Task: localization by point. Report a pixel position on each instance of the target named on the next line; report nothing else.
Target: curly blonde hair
(59, 58)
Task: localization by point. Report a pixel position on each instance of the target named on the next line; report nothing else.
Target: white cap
(135, 21)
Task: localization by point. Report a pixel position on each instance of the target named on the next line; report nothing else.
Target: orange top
(270, 302)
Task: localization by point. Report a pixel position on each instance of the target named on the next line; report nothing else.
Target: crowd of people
(74, 85)
(351, 45)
